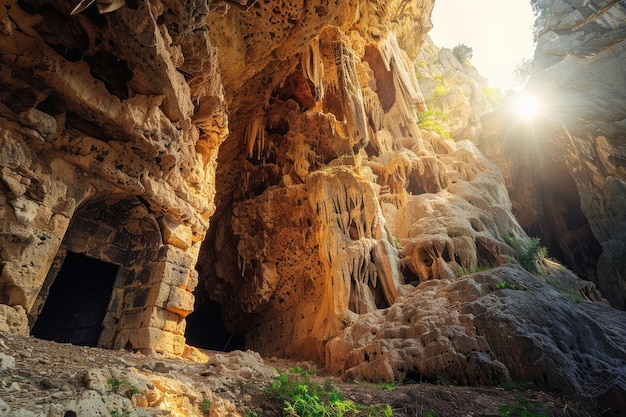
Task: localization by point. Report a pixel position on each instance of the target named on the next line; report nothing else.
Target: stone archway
(149, 294)
(77, 302)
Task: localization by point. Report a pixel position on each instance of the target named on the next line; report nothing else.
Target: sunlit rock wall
(456, 94)
(329, 196)
(109, 129)
(565, 169)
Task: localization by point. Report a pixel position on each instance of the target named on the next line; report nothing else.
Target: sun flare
(527, 106)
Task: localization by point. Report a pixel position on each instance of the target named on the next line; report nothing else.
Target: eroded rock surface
(109, 130)
(565, 171)
(294, 128)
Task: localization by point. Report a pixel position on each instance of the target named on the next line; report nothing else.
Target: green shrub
(529, 253)
(440, 90)
(462, 52)
(205, 406)
(122, 387)
(505, 285)
(297, 395)
(522, 409)
(431, 120)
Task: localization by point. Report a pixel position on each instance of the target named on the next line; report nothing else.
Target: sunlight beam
(527, 106)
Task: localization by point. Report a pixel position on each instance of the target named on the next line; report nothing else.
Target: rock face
(567, 181)
(456, 94)
(301, 121)
(109, 132)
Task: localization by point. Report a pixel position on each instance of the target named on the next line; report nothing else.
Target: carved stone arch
(150, 293)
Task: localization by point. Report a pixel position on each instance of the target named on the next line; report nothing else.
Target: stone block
(162, 319)
(175, 233)
(150, 295)
(180, 301)
(131, 319)
(174, 275)
(177, 256)
(150, 340)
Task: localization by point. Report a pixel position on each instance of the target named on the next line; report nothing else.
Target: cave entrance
(206, 330)
(77, 302)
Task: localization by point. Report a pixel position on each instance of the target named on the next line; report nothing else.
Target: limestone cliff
(566, 171)
(269, 157)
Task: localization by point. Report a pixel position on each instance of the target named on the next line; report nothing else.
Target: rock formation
(566, 171)
(110, 126)
(339, 232)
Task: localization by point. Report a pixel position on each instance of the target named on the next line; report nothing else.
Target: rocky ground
(44, 378)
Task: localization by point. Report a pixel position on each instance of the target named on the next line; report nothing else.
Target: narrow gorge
(314, 181)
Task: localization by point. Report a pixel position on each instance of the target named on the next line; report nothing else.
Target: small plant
(243, 385)
(505, 285)
(431, 120)
(470, 271)
(529, 253)
(440, 90)
(430, 413)
(205, 406)
(522, 409)
(397, 243)
(251, 413)
(390, 385)
(576, 298)
(297, 395)
(122, 387)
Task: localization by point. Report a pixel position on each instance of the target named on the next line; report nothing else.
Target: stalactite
(313, 67)
(351, 95)
(256, 135)
(409, 98)
(373, 109)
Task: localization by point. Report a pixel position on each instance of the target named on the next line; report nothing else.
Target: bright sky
(498, 31)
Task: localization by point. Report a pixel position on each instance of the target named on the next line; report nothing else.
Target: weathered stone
(445, 328)
(13, 320)
(565, 171)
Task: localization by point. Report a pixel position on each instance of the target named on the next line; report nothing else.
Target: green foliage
(462, 52)
(430, 413)
(251, 413)
(122, 387)
(576, 298)
(205, 406)
(470, 271)
(431, 120)
(297, 395)
(493, 95)
(440, 90)
(529, 253)
(522, 409)
(397, 243)
(116, 413)
(505, 285)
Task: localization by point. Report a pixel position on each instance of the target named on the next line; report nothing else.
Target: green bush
(122, 387)
(529, 253)
(462, 52)
(431, 120)
(522, 409)
(297, 395)
(505, 285)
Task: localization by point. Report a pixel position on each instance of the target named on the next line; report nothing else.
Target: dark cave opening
(206, 330)
(77, 301)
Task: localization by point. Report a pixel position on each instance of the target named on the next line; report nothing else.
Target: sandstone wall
(109, 132)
